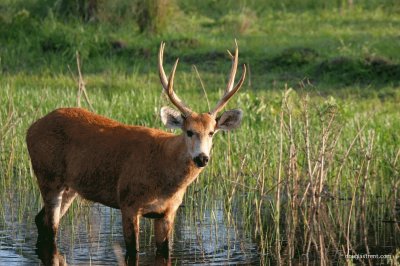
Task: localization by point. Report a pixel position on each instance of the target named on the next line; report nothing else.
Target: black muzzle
(201, 160)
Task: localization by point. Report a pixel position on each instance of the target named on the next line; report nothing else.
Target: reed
(313, 173)
(302, 172)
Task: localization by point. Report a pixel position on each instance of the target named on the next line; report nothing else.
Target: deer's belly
(159, 208)
(106, 197)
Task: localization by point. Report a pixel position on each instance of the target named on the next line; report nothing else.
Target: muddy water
(94, 236)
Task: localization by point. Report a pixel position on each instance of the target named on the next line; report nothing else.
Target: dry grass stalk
(81, 84)
(202, 86)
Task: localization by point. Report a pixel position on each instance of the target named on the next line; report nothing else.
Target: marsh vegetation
(312, 175)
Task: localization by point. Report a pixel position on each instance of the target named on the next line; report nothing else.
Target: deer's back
(87, 151)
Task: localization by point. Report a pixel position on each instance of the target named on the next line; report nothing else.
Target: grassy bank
(333, 47)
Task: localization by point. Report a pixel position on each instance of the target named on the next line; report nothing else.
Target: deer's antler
(230, 90)
(168, 84)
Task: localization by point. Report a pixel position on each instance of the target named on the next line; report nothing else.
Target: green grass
(335, 131)
(245, 164)
(331, 47)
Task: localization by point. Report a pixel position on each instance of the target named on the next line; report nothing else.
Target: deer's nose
(201, 160)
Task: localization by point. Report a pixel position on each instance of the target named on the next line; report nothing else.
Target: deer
(143, 172)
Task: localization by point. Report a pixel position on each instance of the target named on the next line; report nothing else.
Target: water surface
(93, 235)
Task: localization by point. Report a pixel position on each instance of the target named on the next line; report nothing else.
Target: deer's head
(199, 129)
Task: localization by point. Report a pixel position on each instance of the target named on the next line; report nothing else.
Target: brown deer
(142, 171)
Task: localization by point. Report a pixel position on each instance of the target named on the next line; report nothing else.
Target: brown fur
(142, 171)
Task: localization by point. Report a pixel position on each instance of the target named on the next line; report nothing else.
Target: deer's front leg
(162, 229)
(130, 223)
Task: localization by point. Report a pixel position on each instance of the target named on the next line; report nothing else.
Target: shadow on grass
(295, 64)
(365, 71)
(291, 66)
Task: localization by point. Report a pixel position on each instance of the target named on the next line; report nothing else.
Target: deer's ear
(171, 118)
(230, 119)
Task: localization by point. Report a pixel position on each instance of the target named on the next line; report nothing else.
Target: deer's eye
(189, 133)
(211, 134)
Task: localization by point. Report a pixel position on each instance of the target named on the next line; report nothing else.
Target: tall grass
(302, 169)
(313, 172)
(325, 171)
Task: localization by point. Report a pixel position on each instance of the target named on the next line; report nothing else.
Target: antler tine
(224, 100)
(163, 77)
(168, 84)
(230, 91)
(232, 75)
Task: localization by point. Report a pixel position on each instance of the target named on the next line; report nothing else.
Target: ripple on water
(95, 236)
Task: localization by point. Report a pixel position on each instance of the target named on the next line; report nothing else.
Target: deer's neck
(181, 169)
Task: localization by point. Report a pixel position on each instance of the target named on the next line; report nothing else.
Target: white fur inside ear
(171, 118)
(230, 119)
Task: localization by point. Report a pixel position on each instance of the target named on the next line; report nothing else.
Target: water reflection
(48, 253)
(93, 235)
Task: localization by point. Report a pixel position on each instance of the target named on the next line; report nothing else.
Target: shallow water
(94, 236)
(91, 234)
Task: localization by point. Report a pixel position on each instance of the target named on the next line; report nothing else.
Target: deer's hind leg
(47, 220)
(67, 198)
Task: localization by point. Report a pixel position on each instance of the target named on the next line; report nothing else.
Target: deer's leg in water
(49, 255)
(48, 218)
(130, 224)
(162, 229)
